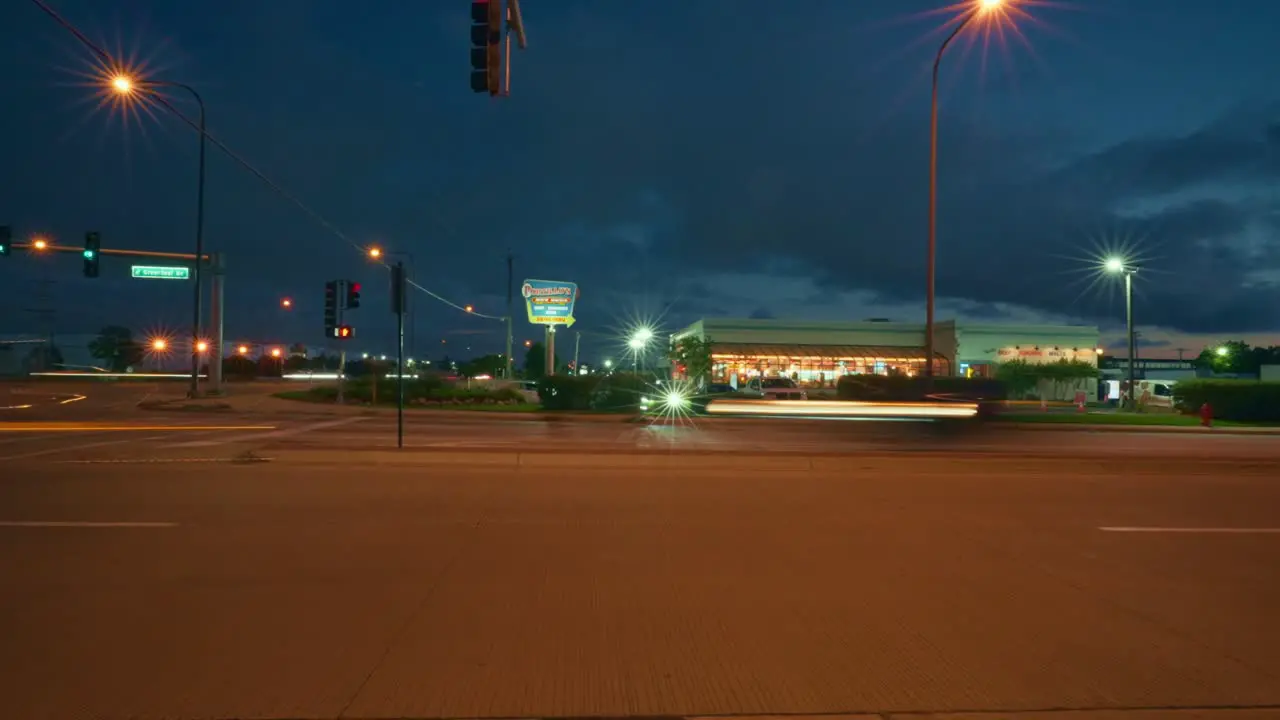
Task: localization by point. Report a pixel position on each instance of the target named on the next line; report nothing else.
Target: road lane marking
(72, 448)
(76, 398)
(270, 435)
(59, 427)
(1204, 530)
(83, 524)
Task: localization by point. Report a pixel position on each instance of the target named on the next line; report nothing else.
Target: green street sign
(162, 272)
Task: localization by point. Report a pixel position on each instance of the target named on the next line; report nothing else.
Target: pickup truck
(775, 388)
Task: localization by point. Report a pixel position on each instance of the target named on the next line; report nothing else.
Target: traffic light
(330, 307)
(344, 332)
(486, 53)
(6, 239)
(92, 244)
(353, 295)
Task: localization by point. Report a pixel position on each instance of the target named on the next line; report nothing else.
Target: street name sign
(162, 272)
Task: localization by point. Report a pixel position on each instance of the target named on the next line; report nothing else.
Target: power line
(159, 99)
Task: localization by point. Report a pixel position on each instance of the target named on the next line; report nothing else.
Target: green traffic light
(88, 254)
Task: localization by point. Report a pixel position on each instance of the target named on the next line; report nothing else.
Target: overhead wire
(110, 62)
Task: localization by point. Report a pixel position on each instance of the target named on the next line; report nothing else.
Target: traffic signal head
(353, 295)
(486, 53)
(344, 332)
(92, 244)
(6, 239)
(330, 307)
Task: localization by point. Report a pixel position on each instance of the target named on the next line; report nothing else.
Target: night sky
(676, 158)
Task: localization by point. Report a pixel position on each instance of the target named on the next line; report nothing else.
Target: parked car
(775, 388)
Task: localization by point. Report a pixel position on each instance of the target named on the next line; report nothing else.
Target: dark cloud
(761, 314)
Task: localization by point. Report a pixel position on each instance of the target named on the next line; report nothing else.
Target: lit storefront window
(813, 365)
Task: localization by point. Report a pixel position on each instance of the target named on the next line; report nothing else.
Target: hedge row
(420, 391)
(603, 393)
(901, 388)
(1240, 400)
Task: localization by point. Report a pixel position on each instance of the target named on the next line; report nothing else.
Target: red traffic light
(343, 332)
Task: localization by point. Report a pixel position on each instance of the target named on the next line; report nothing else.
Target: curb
(1173, 429)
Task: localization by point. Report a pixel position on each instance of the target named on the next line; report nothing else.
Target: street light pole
(125, 86)
(1133, 344)
(933, 194)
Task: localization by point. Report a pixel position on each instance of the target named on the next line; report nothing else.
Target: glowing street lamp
(375, 252)
(979, 9)
(639, 342)
(202, 347)
(275, 352)
(1117, 265)
(243, 350)
(286, 303)
(126, 87)
(470, 308)
(1222, 351)
(159, 345)
(40, 244)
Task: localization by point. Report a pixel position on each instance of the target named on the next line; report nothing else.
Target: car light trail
(841, 409)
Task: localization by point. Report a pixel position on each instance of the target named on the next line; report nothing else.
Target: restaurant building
(816, 354)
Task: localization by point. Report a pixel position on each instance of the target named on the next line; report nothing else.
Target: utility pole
(398, 287)
(510, 312)
(1180, 351)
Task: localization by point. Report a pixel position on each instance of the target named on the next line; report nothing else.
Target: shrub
(901, 388)
(567, 392)
(621, 393)
(1240, 400)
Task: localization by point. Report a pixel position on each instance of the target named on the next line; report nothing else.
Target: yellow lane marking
(75, 398)
(83, 427)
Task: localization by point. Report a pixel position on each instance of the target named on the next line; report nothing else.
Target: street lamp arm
(937, 60)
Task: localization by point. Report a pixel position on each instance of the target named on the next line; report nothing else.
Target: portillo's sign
(1034, 354)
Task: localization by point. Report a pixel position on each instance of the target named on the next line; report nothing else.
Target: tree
(116, 348)
(491, 365)
(535, 361)
(691, 355)
(1018, 376)
(44, 356)
(1237, 358)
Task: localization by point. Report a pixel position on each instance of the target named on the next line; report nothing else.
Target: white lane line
(270, 435)
(1204, 530)
(65, 449)
(83, 524)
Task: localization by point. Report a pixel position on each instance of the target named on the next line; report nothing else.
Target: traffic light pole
(217, 308)
(196, 260)
(399, 307)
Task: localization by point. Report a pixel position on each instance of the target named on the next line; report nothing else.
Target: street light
(125, 87)
(375, 252)
(286, 303)
(243, 349)
(275, 352)
(980, 8)
(639, 342)
(1222, 351)
(40, 244)
(470, 309)
(1115, 266)
(159, 345)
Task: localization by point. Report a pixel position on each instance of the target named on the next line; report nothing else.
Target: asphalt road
(309, 588)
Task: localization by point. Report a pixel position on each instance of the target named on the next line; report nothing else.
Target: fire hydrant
(1206, 415)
